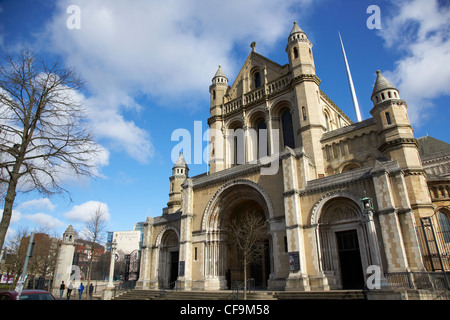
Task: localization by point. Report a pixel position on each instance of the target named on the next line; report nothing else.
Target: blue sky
(148, 66)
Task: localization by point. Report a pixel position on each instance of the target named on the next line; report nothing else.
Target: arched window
(327, 122)
(388, 118)
(238, 146)
(261, 131)
(288, 130)
(257, 79)
(295, 53)
(444, 222)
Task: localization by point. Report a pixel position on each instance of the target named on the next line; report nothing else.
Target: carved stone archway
(229, 199)
(343, 242)
(168, 256)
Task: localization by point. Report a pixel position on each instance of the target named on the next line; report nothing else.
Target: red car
(27, 295)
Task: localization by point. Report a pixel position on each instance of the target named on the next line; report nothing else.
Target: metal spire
(350, 82)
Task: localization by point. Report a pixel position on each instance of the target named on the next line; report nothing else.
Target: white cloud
(84, 211)
(421, 30)
(42, 203)
(44, 220)
(164, 50)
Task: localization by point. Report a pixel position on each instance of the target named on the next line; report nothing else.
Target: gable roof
(254, 59)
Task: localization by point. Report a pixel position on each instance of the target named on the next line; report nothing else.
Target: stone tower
(63, 268)
(397, 142)
(180, 172)
(217, 90)
(308, 116)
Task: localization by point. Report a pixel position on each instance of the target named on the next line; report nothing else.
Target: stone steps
(320, 295)
(228, 295)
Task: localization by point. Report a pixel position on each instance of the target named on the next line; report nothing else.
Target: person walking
(61, 290)
(91, 291)
(80, 290)
(69, 290)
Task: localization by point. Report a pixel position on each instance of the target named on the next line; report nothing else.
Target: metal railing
(239, 287)
(172, 286)
(433, 281)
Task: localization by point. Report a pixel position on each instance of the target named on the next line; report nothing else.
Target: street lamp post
(107, 293)
(368, 209)
(20, 283)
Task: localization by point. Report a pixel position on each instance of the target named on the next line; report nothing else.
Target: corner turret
(217, 90)
(180, 172)
(299, 50)
(383, 90)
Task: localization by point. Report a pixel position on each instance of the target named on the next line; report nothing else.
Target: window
(257, 80)
(295, 53)
(236, 141)
(239, 147)
(288, 130)
(445, 226)
(261, 131)
(388, 118)
(304, 113)
(327, 124)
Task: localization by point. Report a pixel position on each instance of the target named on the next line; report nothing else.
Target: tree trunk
(245, 278)
(7, 210)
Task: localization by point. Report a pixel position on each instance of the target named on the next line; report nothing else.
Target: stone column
(144, 273)
(408, 225)
(214, 278)
(390, 226)
(298, 278)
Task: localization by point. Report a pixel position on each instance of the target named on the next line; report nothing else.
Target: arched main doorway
(343, 243)
(258, 267)
(223, 263)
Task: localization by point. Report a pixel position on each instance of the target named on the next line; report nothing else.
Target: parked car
(27, 295)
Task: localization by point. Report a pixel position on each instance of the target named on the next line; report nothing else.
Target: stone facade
(63, 268)
(307, 179)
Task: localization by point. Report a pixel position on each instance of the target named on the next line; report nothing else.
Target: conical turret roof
(181, 162)
(296, 29)
(381, 84)
(220, 73)
(70, 230)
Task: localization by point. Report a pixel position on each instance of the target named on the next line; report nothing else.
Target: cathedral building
(338, 196)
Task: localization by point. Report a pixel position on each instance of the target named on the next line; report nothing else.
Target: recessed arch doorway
(343, 243)
(169, 248)
(258, 269)
(223, 261)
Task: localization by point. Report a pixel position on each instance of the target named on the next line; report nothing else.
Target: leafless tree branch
(43, 129)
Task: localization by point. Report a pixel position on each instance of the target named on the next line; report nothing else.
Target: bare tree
(44, 134)
(249, 231)
(15, 255)
(95, 227)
